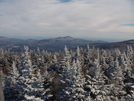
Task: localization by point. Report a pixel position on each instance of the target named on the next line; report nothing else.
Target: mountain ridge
(52, 44)
(113, 45)
(58, 44)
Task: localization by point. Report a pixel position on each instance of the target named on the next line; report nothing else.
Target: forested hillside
(81, 75)
(111, 46)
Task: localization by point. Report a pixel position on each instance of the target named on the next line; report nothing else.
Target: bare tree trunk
(1, 90)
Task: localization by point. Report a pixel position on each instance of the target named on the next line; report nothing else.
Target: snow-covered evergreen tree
(72, 82)
(36, 89)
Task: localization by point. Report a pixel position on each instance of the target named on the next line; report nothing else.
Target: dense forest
(81, 75)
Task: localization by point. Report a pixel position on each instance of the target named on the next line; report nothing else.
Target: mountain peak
(65, 38)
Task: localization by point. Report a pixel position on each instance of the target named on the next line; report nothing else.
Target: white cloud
(78, 18)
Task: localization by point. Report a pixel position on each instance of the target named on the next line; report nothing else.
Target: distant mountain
(111, 46)
(52, 45)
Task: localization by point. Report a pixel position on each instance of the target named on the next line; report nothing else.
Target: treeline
(81, 75)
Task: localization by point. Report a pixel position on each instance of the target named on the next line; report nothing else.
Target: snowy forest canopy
(81, 75)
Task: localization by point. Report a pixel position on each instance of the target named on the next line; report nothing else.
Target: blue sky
(128, 24)
(77, 18)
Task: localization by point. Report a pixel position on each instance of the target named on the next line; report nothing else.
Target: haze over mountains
(58, 44)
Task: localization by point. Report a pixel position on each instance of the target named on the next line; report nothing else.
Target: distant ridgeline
(51, 45)
(88, 74)
(58, 44)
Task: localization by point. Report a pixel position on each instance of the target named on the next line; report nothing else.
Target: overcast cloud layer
(76, 18)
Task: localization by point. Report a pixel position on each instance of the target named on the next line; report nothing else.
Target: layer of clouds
(77, 18)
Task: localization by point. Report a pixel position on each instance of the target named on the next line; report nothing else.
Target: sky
(110, 19)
